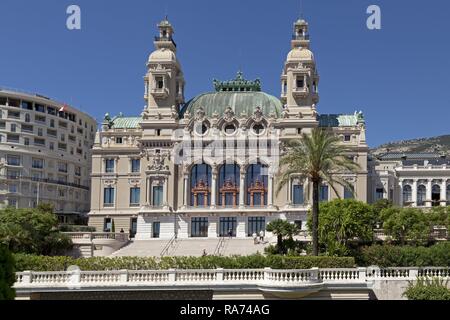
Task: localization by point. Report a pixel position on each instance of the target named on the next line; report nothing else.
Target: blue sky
(398, 76)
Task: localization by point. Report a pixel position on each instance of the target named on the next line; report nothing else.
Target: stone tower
(164, 81)
(300, 79)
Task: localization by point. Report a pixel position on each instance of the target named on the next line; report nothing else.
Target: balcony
(165, 39)
(300, 92)
(42, 180)
(160, 92)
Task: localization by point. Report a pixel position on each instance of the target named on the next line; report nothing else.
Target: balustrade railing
(211, 277)
(98, 235)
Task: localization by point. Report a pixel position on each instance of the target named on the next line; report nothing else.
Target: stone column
(414, 193)
(444, 193)
(400, 196)
(428, 199)
(166, 193)
(186, 191)
(270, 191)
(213, 187)
(242, 189)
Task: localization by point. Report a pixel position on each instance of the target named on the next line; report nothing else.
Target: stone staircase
(190, 247)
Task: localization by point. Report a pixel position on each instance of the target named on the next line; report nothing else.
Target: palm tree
(282, 229)
(319, 157)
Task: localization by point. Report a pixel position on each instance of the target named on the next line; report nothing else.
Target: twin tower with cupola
(165, 83)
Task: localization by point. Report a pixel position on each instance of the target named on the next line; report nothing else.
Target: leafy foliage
(342, 222)
(386, 256)
(282, 229)
(43, 263)
(428, 289)
(32, 231)
(406, 224)
(319, 156)
(7, 276)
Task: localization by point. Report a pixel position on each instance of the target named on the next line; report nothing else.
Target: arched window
(256, 185)
(407, 194)
(228, 186)
(200, 185)
(421, 195)
(436, 195)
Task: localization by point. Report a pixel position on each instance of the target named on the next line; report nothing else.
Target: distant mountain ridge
(439, 144)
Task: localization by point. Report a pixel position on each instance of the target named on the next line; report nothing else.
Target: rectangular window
(38, 163)
(109, 165)
(300, 82)
(323, 193)
(227, 227)
(12, 138)
(27, 128)
(135, 165)
(62, 146)
(256, 225)
(12, 188)
(348, 193)
(157, 196)
(13, 160)
(107, 225)
(39, 142)
(13, 115)
(2, 125)
(78, 171)
(119, 140)
(135, 197)
(298, 197)
(39, 107)
(51, 111)
(13, 174)
(347, 138)
(51, 146)
(156, 229)
(52, 133)
(199, 227)
(40, 119)
(379, 193)
(27, 105)
(62, 124)
(108, 197)
(62, 167)
(13, 127)
(26, 141)
(159, 82)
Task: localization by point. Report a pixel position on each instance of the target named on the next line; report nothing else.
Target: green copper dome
(241, 95)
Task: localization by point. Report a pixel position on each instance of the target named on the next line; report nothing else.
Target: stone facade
(410, 179)
(208, 167)
(45, 154)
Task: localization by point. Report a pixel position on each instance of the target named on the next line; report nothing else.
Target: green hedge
(404, 256)
(7, 277)
(42, 263)
(74, 228)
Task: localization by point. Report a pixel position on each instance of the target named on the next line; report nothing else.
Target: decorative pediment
(134, 182)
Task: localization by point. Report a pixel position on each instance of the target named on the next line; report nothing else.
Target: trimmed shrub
(74, 228)
(426, 289)
(404, 256)
(42, 263)
(7, 276)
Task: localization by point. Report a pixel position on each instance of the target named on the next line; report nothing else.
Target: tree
(343, 221)
(318, 157)
(406, 224)
(33, 231)
(379, 206)
(282, 229)
(440, 216)
(7, 276)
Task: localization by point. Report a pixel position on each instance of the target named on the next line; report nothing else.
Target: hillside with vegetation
(439, 144)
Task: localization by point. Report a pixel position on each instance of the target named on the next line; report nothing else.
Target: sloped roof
(121, 122)
(409, 156)
(340, 120)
